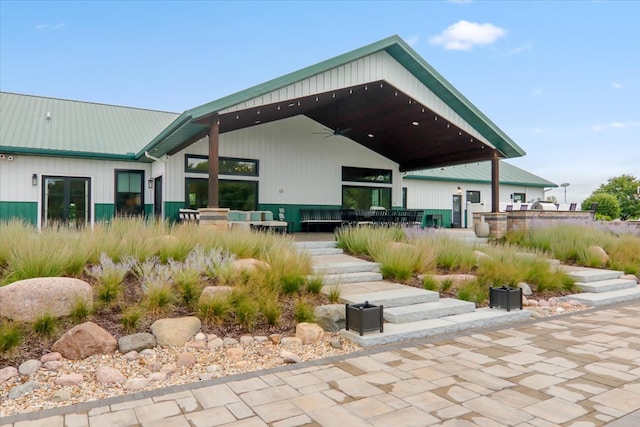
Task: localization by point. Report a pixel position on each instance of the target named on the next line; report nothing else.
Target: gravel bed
(209, 363)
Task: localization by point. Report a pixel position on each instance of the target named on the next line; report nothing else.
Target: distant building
(338, 133)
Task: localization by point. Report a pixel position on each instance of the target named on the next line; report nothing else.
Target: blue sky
(561, 78)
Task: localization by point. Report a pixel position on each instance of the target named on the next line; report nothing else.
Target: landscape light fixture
(565, 185)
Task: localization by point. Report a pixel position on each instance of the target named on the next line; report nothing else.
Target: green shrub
(271, 310)
(304, 311)
(246, 311)
(11, 336)
(158, 299)
(473, 291)
(45, 325)
(446, 285)
(108, 293)
(214, 310)
(430, 283)
(130, 320)
(334, 294)
(291, 284)
(80, 311)
(314, 285)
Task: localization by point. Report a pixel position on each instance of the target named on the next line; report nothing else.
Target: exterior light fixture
(459, 190)
(415, 123)
(150, 183)
(371, 136)
(34, 179)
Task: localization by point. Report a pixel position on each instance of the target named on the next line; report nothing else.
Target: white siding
(375, 67)
(425, 194)
(296, 166)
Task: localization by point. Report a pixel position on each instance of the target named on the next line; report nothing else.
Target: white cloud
(615, 125)
(464, 35)
(412, 41)
(520, 49)
(616, 85)
(49, 26)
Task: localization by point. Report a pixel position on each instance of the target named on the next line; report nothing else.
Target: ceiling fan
(331, 132)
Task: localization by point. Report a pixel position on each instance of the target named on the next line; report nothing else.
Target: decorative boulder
(26, 300)
(331, 317)
(212, 291)
(309, 333)
(249, 265)
(526, 289)
(136, 342)
(630, 277)
(175, 332)
(85, 340)
(598, 253)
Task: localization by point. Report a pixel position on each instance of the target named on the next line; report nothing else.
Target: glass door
(65, 201)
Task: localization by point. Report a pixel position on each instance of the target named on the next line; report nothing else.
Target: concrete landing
(606, 285)
(588, 275)
(429, 310)
(605, 298)
(395, 332)
(394, 298)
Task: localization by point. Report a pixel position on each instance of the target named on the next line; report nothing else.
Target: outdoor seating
(572, 206)
(509, 208)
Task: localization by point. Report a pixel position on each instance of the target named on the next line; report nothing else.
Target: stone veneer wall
(501, 222)
(214, 217)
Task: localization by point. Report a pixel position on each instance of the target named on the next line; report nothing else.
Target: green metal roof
(50, 126)
(184, 127)
(481, 173)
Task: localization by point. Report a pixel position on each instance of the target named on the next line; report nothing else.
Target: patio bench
(318, 218)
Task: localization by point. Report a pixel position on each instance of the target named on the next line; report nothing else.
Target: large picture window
(129, 193)
(226, 165)
(519, 197)
(365, 197)
(236, 195)
(382, 176)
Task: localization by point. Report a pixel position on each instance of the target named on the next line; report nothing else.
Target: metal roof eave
(479, 181)
(393, 45)
(69, 153)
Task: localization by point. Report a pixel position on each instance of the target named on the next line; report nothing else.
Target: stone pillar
(497, 222)
(214, 217)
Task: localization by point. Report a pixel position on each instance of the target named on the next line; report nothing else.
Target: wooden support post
(214, 132)
(495, 182)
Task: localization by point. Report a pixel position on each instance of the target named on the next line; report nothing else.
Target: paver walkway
(581, 369)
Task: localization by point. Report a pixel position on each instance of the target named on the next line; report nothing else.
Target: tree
(608, 207)
(552, 199)
(624, 188)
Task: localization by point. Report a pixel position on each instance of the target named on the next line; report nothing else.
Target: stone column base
(215, 218)
(497, 222)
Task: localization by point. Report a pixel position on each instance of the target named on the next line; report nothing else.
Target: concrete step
(346, 267)
(323, 251)
(337, 279)
(315, 245)
(428, 310)
(606, 285)
(393, 298)
(588, 275)
(605, 298)
(396, 332)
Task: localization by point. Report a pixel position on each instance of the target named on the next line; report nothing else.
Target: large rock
(330, 317)
(309, 333)
(26, 300)
(108, 375)
(598, 253)
(175, 332)
(213, 291)
(136, 342)
(85, 340)
(249, 265)
(7, 373)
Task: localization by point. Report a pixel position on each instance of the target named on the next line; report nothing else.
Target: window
(226, 165)
(365, 197)
(66, 200)
(519, 197)
(404, 197)
(473, 196)
(237, 195)
(129, 193)
(382, 176)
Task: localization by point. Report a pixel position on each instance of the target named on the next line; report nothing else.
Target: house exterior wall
(436, 196)
(20, 198)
